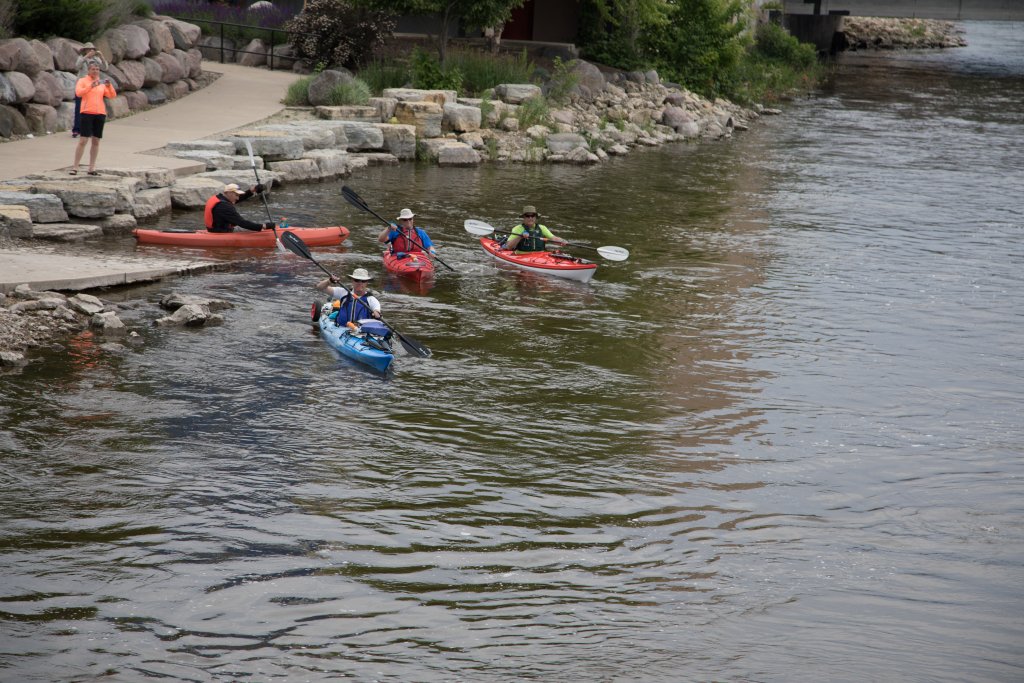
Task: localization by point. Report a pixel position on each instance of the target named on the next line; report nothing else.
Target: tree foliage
(339, 32)
(80, 20)
(469, 14)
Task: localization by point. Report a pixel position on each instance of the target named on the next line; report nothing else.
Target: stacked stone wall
(151, 61)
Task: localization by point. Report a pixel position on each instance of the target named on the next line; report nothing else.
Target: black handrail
(222, 24)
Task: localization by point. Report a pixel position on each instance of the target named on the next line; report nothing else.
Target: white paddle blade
(613, 253)
(478, 228)
(248, 148)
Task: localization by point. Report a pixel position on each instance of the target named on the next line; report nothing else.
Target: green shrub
(427, 73)
(775, 43)
(532, 112)
(491, 145)
(486, 108)
(353, 92)
(298, 92)
(74, 19)
(562, 81)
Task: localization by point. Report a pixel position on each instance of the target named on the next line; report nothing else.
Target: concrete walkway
(242, 95)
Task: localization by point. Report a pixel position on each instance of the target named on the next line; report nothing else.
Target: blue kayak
(369, 343)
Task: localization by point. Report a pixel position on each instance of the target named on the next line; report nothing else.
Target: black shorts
(91, 125)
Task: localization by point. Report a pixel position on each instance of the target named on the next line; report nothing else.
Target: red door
(520, 26)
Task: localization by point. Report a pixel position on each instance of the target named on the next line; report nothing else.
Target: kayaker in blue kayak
(355, 303)
(405, 237)
(528, 235)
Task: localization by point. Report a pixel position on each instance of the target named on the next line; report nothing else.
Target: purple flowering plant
(264, 15)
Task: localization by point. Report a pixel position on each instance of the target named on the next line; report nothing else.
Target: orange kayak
(263, 239)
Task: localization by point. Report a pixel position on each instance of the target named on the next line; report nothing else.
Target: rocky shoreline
(873, 33)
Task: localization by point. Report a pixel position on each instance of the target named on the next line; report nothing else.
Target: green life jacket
(531, 240)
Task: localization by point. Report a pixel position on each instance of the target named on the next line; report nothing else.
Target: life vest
(402, 243)
(352, 309)
(208, 211)
(530, 240)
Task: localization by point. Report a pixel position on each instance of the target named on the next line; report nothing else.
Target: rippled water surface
(780, 443)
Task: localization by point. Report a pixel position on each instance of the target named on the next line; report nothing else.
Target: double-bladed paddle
(355, 200)
(297, 246)
(252, 161)
(481, 229)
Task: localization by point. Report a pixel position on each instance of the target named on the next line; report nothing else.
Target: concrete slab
(46, 269)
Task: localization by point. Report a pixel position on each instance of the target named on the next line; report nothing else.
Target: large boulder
(461, 118)
(8, 94)
(137, 41)
(270, 145)
(361, 136)
(439, 97)
(41, 118)
(399, 139)
(43, 208)
(65, 53)
(160, 38)
(48, 89)
(43, 54)
(590, 82)
(66, 83)
(254, 53)
(24, 89)
(425, 116)
(184, 34)
(12, 122)
(324, 83)
(112, 44)
(516, 93)
(171, 68)
(133, 74)
(15, 221)
(154, 73)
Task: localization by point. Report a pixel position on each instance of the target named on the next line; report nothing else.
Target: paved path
(241, 96)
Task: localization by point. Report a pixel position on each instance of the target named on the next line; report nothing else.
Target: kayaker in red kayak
(528, 235)
(406, 238)
(352, 304)
(221, 215)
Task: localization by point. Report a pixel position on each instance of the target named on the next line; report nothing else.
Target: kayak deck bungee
(262, 239)
(369, 344)
(546, 262)
(413, 265)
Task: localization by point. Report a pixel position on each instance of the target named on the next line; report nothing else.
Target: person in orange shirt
(92, 89)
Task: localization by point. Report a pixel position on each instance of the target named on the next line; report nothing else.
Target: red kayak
(264, 239)
(413, 265)
(547, 262)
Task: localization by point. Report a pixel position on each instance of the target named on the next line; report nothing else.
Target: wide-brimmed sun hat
(87, 46)
(528, 209)
(360, 274)
(405, 213)
(232, 187)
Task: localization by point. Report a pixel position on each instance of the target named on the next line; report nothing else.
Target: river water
(780, 443)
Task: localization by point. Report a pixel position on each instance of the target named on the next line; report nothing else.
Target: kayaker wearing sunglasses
(528, 235)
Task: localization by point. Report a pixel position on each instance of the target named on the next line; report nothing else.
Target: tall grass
(298, 92)
(481, 71)
(382, 74)
(469, 71)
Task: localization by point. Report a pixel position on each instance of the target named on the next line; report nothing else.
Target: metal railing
(271, 32)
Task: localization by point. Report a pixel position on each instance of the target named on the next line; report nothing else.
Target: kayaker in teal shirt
(528, 235)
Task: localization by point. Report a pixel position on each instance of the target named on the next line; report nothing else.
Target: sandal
(94, 172)
(73, 172)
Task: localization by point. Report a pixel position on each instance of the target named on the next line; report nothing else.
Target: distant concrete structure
(951, 10)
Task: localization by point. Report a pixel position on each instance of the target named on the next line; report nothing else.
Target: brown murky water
(780, 443)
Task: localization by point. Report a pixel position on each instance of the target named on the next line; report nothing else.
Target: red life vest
(208, 211)
(403, 243)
